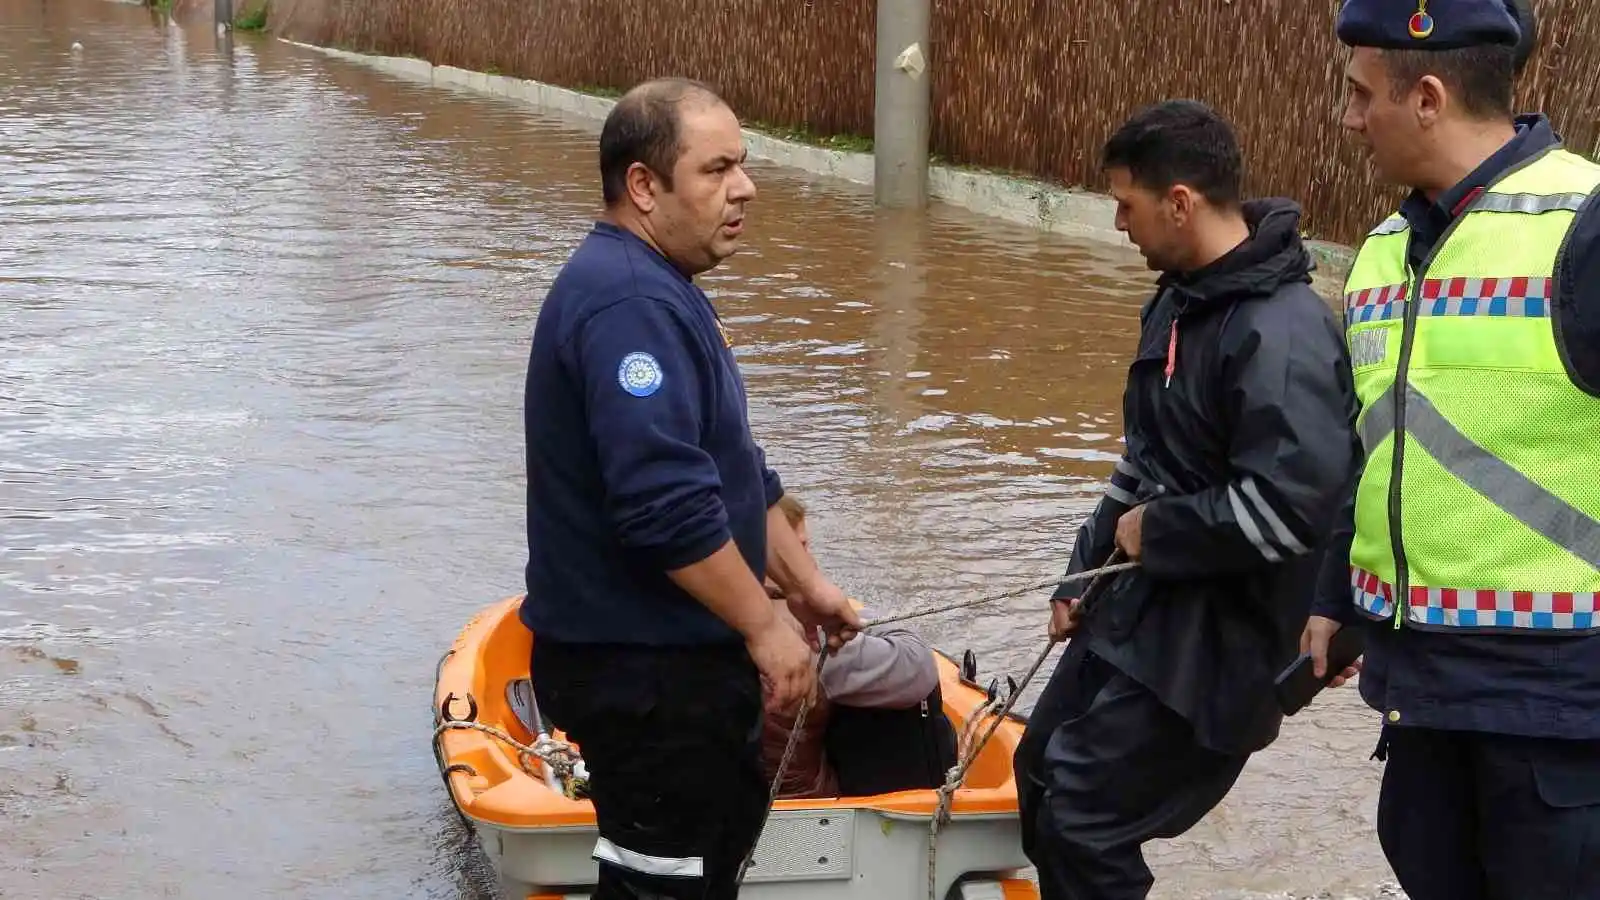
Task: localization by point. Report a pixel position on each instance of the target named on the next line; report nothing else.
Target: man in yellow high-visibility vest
(1473, 320)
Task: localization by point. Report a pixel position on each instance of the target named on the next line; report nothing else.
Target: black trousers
(1102, 768)
(1474, 816)
(672, 740)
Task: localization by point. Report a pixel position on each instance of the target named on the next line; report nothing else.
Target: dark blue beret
(1426, 24)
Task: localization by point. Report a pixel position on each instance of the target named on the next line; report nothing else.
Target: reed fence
(1033, 86)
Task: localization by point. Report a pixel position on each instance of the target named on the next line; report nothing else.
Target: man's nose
(744, 187)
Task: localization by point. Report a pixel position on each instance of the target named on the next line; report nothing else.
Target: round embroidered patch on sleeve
(639, 374)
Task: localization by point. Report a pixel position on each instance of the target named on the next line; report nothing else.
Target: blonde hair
(793, 509)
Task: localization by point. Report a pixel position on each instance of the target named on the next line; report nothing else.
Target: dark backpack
(880, 751)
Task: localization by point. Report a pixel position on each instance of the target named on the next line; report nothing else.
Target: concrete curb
(1080, 214)
(1024, 201)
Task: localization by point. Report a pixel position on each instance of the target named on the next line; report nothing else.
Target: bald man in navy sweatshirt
(651, 515)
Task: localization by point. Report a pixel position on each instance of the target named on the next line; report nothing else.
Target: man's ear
(1428, 100)
(1182, 200)
(642, 187)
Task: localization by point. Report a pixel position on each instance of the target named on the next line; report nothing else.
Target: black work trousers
(1102, 768)
(672, 741)
(1473, 816)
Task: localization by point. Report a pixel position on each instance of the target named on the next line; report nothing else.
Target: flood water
(263, 329)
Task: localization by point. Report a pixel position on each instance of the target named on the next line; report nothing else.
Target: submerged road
(263, 329)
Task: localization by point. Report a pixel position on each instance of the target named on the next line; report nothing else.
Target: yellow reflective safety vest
(1479, 504)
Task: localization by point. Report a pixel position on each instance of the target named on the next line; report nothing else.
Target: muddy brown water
(263, 325)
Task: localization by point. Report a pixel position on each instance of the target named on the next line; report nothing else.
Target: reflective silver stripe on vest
(1532, 204)
(1391, 225)
(665, 866)
(1559, 522)
(1377, 420)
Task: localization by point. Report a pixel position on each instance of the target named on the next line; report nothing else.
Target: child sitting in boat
(877, 724)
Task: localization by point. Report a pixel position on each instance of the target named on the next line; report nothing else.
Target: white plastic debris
(911, 61)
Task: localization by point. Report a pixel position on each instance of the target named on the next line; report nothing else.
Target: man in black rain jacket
(1239, 419)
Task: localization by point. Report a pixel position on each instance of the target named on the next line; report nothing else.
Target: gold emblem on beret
(1421, 24)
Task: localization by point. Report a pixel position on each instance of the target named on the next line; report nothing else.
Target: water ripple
(263, 329)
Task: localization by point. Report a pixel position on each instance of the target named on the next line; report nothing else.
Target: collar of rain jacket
(1271, 257)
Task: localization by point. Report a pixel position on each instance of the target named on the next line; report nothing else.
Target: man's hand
(823, 605)
(815, 601)
(1064, 615)
(724, 583)
(1314, 640)
(1129, 532)
(785, 663)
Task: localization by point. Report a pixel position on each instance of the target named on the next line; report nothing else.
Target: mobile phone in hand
(1298, 684)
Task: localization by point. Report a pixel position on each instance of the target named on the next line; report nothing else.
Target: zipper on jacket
(1397, 543)
(930, 747)
(1402, 572)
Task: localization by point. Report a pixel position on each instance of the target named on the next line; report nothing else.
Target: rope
(982, 711)
(958, 772)
(783, 764)
(567, 764)
(559, 756)
(968, 604)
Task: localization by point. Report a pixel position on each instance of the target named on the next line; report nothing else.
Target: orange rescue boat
(539, 835)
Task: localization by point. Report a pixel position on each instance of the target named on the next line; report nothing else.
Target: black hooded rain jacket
(1239, 416)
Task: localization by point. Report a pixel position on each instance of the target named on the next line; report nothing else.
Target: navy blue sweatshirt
(639, 453)
(1528, 685)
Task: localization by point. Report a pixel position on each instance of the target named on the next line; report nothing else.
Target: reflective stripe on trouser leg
(645, 864)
